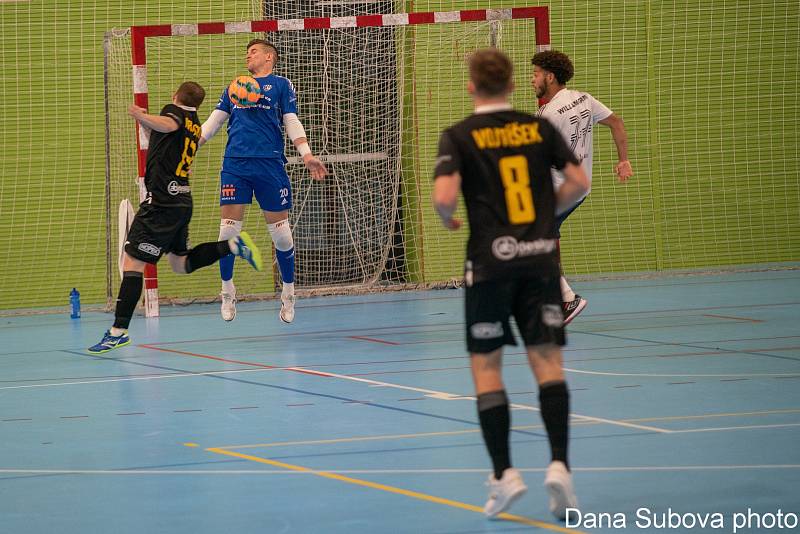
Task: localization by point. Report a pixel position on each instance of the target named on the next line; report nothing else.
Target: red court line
(733, 318)
(374, 340)
(207, 357)
(241, 362)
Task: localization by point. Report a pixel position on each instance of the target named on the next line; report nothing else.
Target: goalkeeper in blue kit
(254, 166)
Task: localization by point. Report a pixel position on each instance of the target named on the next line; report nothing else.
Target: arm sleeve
(213, 123)
(599, 110)
(294, 128)
(559, 151)
(448, 160)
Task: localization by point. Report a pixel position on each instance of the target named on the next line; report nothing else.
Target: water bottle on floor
(75, 303)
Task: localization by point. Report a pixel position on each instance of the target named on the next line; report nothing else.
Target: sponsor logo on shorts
(552, 316)
(227, 191)
(507, 247)
(174, 188)
(148, 248)
(486, 330)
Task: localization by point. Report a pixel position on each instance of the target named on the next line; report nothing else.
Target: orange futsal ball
(244, 92)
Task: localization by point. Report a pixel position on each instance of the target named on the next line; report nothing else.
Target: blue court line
(304, 392)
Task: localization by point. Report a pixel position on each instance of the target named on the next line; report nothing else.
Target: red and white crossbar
(139, 55)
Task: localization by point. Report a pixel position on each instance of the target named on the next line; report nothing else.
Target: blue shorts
(243, 178)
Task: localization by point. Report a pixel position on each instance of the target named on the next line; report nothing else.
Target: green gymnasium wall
(707, 90)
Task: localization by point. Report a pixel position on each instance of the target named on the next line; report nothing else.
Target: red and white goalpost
(374, 92)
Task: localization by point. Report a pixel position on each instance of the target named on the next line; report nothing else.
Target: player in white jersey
(253, 166)
(574, 114)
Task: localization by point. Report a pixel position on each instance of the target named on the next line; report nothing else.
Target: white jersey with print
(574, 114)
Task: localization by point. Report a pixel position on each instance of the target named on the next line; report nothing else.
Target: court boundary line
(466, 470)
(395, 490)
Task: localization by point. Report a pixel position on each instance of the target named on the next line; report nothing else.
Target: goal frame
(140, 34)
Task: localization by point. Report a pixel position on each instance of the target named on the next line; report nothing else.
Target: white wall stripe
(447, 16)
(139, 79)
(144, 138)
(184, 29)
(498, 14)
(343, 22)
(291, 24)
(399, 19)
(238, 27)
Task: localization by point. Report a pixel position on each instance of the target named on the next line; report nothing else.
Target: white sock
(567, 294)
(116, 332)
(288, 290)
(228, 287)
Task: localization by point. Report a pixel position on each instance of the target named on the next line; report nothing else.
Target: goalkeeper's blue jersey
(257, 131)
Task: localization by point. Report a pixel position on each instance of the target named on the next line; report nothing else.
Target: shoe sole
(575, 312)
(511, 500)
(109, 350)
(557, 492)
(257, 264)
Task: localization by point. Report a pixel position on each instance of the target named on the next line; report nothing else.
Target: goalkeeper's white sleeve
(213, 123)
(295, 130)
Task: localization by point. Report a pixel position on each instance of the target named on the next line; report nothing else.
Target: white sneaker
(558, 482)
(503, 492)
(287, 308)
(228, 308)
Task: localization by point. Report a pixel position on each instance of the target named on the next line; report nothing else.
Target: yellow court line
(711, 415)
(477, 430)
(392, 489)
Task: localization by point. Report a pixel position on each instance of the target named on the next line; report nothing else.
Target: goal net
(374, 92)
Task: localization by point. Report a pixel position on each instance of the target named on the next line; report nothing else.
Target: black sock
(206, 254)
(554, 405)
(495, 419)
(129, 292)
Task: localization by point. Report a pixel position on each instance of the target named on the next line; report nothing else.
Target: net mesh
(369, 223)
(707, 91)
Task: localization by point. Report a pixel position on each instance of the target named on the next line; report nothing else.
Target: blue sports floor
(358, 417)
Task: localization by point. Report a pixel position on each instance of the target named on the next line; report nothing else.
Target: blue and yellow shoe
(109, 342)
(248, 251)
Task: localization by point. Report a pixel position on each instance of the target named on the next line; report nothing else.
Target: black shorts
(535, 303)
(157, 230)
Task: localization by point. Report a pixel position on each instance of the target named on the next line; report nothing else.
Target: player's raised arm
(296, 132)
(212, 125)
(159, 123)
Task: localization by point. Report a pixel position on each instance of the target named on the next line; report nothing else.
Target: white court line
(652, 375)
(481, 470)
(441, 395)
(152, 377)
(746, 427)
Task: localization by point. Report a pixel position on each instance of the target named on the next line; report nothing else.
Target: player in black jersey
(161, 226)
(500, 159)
